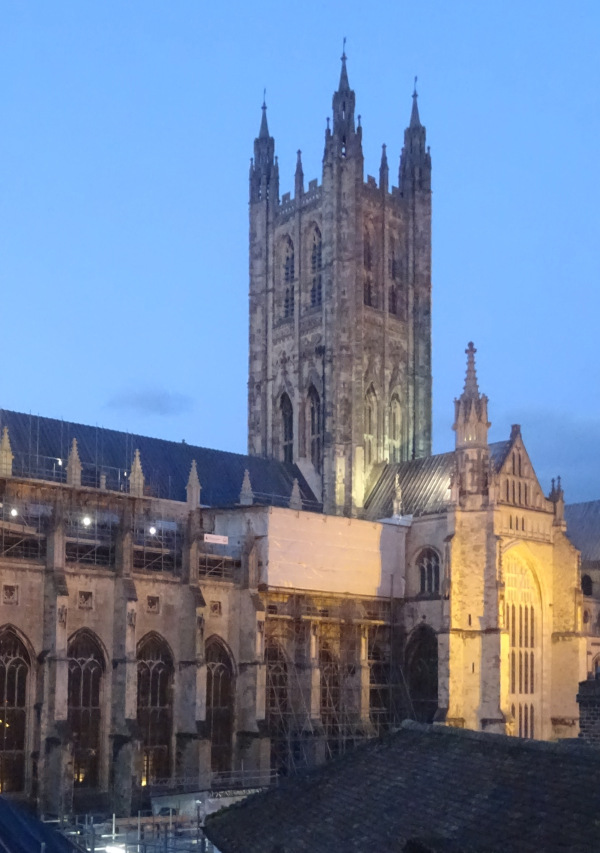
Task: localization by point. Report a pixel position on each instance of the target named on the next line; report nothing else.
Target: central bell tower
(340, 309)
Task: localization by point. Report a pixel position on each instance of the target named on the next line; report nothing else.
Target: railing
(217, 567)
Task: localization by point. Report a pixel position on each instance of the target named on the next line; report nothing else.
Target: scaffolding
(330, 678)
(23, 528)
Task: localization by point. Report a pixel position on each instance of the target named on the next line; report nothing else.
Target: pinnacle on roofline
(415, 121)
(344, 84)
(471, 389)
(264, 127)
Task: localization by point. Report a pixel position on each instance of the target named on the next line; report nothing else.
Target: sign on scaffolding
(216, 539)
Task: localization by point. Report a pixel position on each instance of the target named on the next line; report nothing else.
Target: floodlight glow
(87, 521)
(113, 848)
(59, 461)
(14, 512)
(152, 531)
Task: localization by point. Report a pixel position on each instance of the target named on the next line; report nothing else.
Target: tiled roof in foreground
(425, 483)
(428, 788)
(41, 448)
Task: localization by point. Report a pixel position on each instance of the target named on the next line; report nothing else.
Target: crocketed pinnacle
(415, 121)
(471, 390)
(264, 127)
(344, 84)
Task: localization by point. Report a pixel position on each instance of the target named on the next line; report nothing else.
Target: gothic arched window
(316, 265)
(586, 585)
(220, 696)
(15, 665)
(395, 429)
(316, 429)
(368, 252)
(393, 299)
(429, 572)
(155, 707)
(287, 428)
(421, 659)
(370, 426)
(86, 667)
(289, 272)
(523, 626)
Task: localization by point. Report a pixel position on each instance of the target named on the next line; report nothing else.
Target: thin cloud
(151, 401)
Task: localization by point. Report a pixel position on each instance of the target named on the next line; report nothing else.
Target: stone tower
(340, 309)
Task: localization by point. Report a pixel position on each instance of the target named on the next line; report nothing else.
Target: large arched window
(370, 426)
(15, 665)
(428, 565)
(86, 667)
(287, 428)
(316, 430)
(220, 695)
(395, 429)
(316, 265)
(155, 707)
(421, 659)
(523, 622)
(277, 707)
(586, 585)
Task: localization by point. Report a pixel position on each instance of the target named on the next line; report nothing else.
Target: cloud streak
(150, 401)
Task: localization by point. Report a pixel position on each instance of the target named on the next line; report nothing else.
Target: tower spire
(471, 389)
(344, 83)
(264, 127)
(415, 121)
(470, 410)
(264, 183)
(346, 136)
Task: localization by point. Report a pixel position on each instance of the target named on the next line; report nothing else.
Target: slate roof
(428, 788)
(425, 483)
(20, 832)
(583, 529)
(38, 443)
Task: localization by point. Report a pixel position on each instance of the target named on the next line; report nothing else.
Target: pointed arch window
(370, 426)
(86, 668)
(316, 429)
(287, 428)
(522, 612)
(15, 665)
(289, 271)
(316, 265)
(421, 659)
(155, 707)
(428, 565)
(368, 252)
(219, 705)
(393, 299)
(395, 429)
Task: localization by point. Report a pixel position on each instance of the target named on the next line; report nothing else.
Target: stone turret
(136, 477)
(6, 455)
(74, 466)
(193, 488)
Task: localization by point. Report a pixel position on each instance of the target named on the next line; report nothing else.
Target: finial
(328, 120)
(264, 127)
(471, 387)
(344, 84)
(415, 94)
(415, 121)
(344, 50)
(264, 103)
(358, 118)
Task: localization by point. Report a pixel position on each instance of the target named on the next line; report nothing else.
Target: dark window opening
(86, 666)
(316, 434)
(289, 272)
(277, 707)
(289, 303)
(422, 674)
(429, 572)
(155, 708)
(586, 585)
(219, 706)
(287, 421)
(14, 673)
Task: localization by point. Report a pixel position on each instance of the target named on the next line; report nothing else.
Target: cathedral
(176, 618)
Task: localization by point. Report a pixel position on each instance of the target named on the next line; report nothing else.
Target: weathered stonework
(340, 310)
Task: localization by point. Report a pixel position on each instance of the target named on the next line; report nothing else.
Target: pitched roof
(39, 443)
(583, 528)
(437, 787)
(425, 483)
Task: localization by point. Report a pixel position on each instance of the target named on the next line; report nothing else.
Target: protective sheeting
(327, 553)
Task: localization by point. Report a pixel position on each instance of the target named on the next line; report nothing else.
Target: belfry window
(86, 667)
(14, 675)
(155, 707)
(316, 434)
(395, 430)
(370, 426)
(287, 425)
(428, 565)
(316, 265)
(289, 272)
(219, 705)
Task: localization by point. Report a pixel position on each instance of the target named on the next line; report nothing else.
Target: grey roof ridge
(172, 441)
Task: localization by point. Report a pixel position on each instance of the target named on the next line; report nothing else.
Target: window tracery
(155, 707)
(86, 667)
(219, 705)
(428, 565)
(15, 666)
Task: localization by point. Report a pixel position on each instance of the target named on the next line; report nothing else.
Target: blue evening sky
(126, 132)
